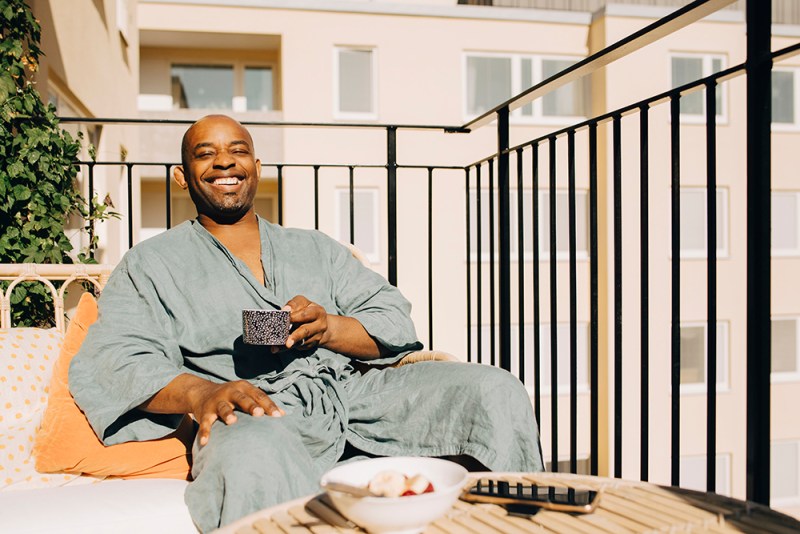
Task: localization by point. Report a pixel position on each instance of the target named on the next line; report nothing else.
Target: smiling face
(219, 169)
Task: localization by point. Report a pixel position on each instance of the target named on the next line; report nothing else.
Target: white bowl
(408, 514)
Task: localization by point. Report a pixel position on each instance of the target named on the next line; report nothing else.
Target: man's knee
(250, 443)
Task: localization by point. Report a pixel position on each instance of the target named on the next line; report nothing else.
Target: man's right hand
(209, 401)
(212, 401)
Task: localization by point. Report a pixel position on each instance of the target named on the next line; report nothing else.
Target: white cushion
(27, 356)
(119, 506)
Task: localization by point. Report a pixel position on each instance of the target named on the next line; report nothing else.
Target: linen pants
(422, 409)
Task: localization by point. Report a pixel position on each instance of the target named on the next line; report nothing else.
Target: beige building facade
(438, 63)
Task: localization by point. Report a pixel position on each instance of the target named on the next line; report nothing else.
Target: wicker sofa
(68, 500)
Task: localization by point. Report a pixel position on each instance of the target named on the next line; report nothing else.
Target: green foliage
(38, 189)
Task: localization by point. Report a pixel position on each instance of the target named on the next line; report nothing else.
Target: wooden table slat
(625, 507)
(266, 526)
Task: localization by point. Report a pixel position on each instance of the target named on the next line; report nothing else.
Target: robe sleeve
(363, 294)
(128, 355)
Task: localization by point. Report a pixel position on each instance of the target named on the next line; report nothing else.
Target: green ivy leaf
(21, 192)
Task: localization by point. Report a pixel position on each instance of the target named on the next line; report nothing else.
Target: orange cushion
(66, 443)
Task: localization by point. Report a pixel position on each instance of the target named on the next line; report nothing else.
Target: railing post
(391, 198)
(504, 231)
(759, 108)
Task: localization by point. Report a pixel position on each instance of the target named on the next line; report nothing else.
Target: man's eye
(204, 154)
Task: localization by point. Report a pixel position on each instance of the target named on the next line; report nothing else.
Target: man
(169, 342)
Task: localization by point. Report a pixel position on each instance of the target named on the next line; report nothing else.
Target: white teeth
(226, 181)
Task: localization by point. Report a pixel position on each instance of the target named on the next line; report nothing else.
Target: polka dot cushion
(27, 356)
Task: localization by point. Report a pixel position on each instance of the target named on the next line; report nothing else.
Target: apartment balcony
(590, 261)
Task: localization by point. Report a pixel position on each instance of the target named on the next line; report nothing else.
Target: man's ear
(178, 176)
(258, 169)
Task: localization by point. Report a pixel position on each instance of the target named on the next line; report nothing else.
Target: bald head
(187, 144)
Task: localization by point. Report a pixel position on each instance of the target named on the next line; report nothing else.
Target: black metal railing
(494, 173)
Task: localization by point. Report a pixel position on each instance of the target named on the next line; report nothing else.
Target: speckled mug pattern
(265, 327)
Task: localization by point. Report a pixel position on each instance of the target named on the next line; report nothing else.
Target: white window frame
(516, 116)
(581, 255)
(723, 356)
(723, 250)
(791, 376)
(562, 255)
(352, 115)
(239, 100)
(342, 209)
(723, 465)
(795, 499)
(790, 126)
(123, 16)
(544, 379)
(795, 252)
(707, 57)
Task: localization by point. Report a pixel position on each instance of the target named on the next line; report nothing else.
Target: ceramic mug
(265, 327)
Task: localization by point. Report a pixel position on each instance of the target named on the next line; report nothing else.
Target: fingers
(221, 402)
(310, 320)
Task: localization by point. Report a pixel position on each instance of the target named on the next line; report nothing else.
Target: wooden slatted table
(624, 507)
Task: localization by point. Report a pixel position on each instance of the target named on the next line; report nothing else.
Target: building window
(562, 225)
(785, 349)
(694, 222)
(687, 68)
(492, 79)
(694, 357)
(545, 351)
(365, 220)
(355, 83)
(258, 88)
(214, 87)
(785, 473)
(785, 98)
(693, 473)
(786, 223)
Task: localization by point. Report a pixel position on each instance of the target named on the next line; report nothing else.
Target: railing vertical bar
(129, 185)
(644, 288)
(553, 309)
(593, 305)
(758, 16)
(168, 199)
(711, 210)
(91, 207)
(469, 265)
(391, 202)
(617, 151)
(430, 258)
(520, 268)
(280, 194)
(479, 263)
(676, 288)
(352, 202)
(492, 297)
(504, 235)
(537, 320)
(316, 197)
(573, 307)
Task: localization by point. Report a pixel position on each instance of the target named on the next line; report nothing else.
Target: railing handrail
(273, 124)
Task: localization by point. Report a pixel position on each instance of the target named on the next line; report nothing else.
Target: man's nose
(224, 160)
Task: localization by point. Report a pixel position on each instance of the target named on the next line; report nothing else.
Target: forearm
(346, 335)
(209, 401)
(177, 396)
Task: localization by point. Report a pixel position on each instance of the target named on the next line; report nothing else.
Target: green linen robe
(173, 305)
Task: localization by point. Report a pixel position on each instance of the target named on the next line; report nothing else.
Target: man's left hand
(310, 321)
